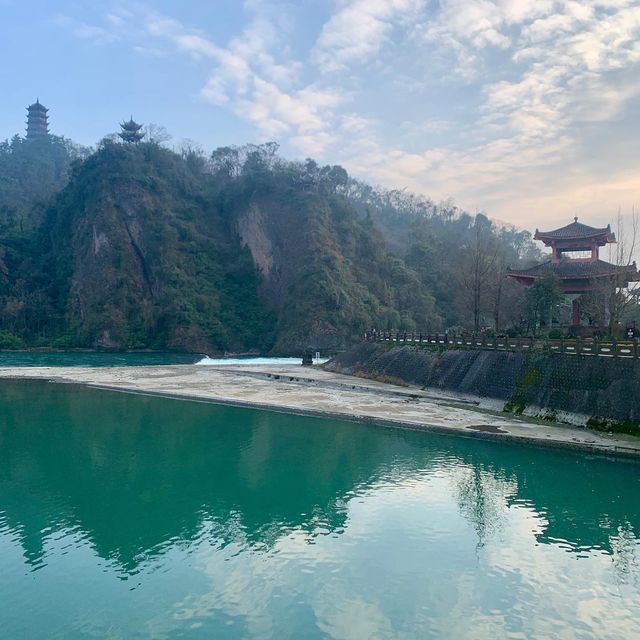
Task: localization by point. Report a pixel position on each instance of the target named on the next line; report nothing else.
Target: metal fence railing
(578, 346)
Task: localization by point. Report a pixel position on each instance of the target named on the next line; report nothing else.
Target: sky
(526, 110)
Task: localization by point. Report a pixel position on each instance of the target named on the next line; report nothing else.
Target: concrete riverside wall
(569, 387)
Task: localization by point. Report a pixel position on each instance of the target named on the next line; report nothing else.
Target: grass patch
(515, 407)
(399, 382)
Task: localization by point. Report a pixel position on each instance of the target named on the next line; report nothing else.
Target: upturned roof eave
(550, 235)
(631, 270)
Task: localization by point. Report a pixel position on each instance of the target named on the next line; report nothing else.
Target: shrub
(10, 341)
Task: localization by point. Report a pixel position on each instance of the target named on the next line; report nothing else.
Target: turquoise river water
(125, 516)
(94, 358)
(128, 359)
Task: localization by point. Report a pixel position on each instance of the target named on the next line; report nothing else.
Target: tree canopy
(139, 246)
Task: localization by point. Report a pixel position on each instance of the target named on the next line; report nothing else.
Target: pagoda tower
(37, 121)
(575, 261)
(131, 131)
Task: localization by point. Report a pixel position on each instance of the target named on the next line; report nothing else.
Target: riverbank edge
(582, 391)
(616, 449)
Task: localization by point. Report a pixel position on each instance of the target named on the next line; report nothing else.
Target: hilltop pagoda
(37, 121)
(575, 261)
(131, 131)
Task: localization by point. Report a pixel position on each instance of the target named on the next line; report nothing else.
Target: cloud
(567, 80)
(150, 52)
(476, 24)
(509, 106)
(95, 33)
(568, 69)
(248, 78)
(359, 30)
(253, 74)
(430, 127)
(276, 112)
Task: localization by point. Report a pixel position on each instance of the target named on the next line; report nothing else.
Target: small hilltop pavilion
(131, 131)
(575, 261)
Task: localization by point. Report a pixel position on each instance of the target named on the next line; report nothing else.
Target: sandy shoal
(309, 390)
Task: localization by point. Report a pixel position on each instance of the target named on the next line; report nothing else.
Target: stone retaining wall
(603, 391)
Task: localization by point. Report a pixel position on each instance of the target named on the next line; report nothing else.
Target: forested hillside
(137, 246)
(31, 173)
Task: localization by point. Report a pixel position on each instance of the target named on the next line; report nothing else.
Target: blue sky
(528, 110)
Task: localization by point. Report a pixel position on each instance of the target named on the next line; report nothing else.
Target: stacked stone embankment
(602, 392)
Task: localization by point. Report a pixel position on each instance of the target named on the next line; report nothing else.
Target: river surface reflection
(127, 516)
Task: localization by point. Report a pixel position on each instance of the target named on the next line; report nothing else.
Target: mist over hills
(135, 246)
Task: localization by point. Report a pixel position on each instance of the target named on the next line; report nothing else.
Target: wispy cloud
(248, 78)
(95, 33)
(570, 65)
(359, 29)
(510, 106)
(251, 74)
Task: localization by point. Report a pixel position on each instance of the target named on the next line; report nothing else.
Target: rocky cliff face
(272, 232)
(325, 272)
(144, 261)
(107, 241)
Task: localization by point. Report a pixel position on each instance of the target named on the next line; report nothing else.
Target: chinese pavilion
(131, 131)
(576, 263)
(37, 121)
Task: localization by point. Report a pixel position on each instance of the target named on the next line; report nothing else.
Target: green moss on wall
(630, 427)
(522, 395)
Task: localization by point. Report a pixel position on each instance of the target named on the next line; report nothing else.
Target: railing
(580, 346)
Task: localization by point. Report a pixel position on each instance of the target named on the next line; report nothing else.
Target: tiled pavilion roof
(575, 230)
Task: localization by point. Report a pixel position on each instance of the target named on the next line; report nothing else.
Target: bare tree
(477, 267)
(506, 296)
(624, 292)
(156, 133)
(612, 296)
(498, 284)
